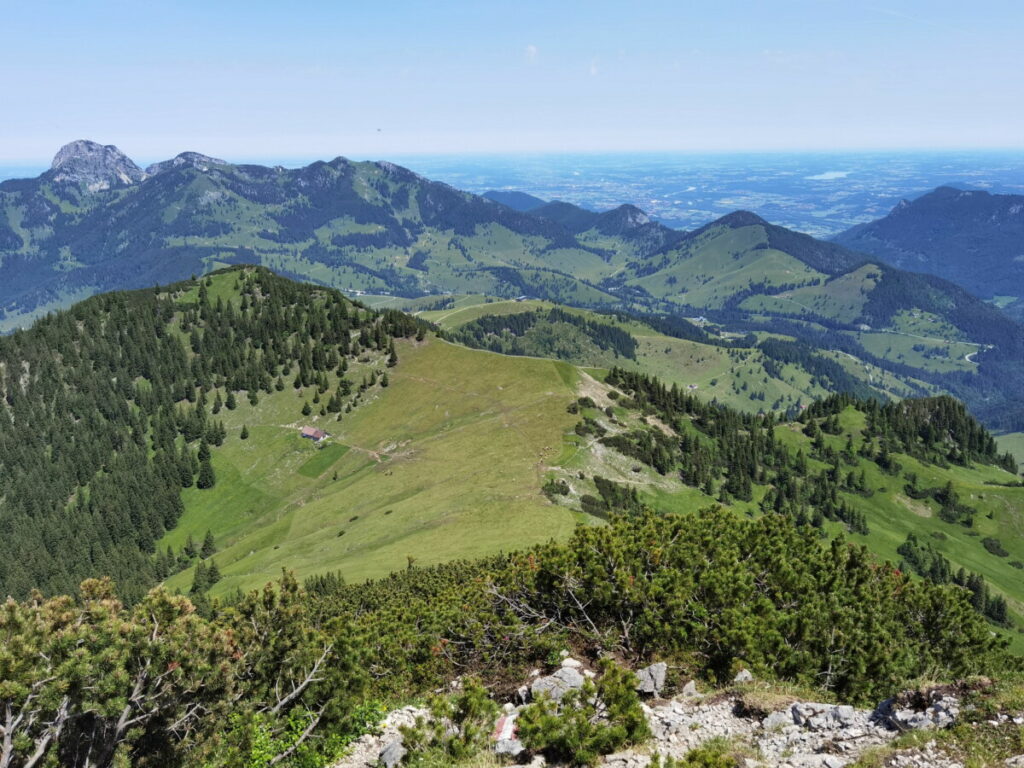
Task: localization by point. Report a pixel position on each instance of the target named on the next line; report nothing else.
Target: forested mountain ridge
(113, 407)
(748, 275)
(970, 237)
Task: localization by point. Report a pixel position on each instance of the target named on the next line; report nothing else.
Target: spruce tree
(244, 435)
(201, 580)
(209, 546)
(206, 478)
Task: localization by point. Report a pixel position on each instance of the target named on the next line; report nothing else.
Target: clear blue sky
(303, 79)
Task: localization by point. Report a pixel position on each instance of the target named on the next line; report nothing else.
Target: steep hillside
(903, 479)
(445, 462)
(971, 237)
(179, 456)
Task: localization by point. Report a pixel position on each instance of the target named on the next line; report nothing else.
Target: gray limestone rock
(651, 680)
(558, 684)
(185, 159)
(941, 712)
(392, 754)
(97, 166)
(510, 747)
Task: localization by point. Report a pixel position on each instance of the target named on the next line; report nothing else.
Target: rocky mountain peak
(97, 166)
(185, 159)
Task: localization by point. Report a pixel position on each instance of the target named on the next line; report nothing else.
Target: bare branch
(302, 738)
(310, 679)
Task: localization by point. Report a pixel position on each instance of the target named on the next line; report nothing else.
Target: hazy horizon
(39, 164)
(820, 193)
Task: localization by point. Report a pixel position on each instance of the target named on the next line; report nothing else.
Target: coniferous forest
(111, 409)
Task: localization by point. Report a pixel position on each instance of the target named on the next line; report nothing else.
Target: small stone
(743, 676)
(510, 747)
(651, 680)
(570, 663)
(844, 714)
(392, 754)
(777, 720)
(557, 684)
(690, 689)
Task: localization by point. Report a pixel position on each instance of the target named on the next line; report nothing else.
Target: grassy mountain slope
(889, 511)
(445, 462)
(366, 226)
(733, 371)
(113, 408)
(448, 462)
(748, 275)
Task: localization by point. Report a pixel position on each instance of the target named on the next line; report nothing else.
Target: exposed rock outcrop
(96, 166)
(803, 734)
(651, 680)
(558, 684)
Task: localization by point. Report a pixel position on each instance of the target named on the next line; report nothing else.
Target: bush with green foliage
(588, 722)
(712, 754)
(459, 726)
(159, 683)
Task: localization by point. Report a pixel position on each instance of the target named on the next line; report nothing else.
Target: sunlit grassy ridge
(445, 462)
(738, 378)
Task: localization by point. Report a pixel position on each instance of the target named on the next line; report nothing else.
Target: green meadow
(446, 462)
